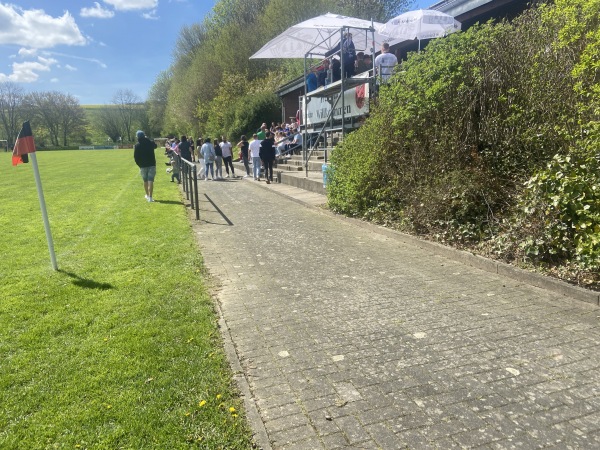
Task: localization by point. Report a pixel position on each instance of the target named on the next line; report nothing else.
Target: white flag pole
(38, 183)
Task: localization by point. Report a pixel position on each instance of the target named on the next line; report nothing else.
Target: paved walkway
(353, 339)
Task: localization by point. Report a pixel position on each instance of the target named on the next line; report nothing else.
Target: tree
(11, 109)
(109, 122)
(156, 104)
(60, 114)
(129, 107)
(72, 118)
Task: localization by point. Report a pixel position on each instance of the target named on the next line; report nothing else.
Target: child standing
(175, 169)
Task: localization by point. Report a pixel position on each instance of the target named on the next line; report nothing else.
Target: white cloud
(27, 72)
(71, 68)
(150, 15)
(79, 58)
(128, 5)
(54, 80)
(34, 28)
(27, 52)
(97, 11)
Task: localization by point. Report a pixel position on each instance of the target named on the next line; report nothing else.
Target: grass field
(119, 348)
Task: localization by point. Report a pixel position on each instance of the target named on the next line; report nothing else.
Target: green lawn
(119, 348)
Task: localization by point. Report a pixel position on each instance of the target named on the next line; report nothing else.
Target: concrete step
(312, 183)
(293, 175)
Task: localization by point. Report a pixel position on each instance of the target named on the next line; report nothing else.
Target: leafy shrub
(489, 139)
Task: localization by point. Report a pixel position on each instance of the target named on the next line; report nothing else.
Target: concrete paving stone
(335, 441)
(352, 429)
(284, 423)
(319, 403)
(588, 391)
(279, 412)
(323, 423)
(281, 439)
(265, 402)
(382, 435)
(414, 439)
(415, 420)
(272, 386)
(587, 424)
(575, 438)
(463, 413)
(310, 444)
(400, 328)
(447, 427)
(475, 438)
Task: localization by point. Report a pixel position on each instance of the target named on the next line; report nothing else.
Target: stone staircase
(291, 171)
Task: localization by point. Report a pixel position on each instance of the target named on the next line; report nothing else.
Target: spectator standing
(208, 154)
(311, 80)
(184, 149)
(254, 148)
(364, 64)
(218, 160)
(385, 62)
(244, 147)
(192, 149)
(175, 146)
(267, 154)
(226, 148)
(143, 155)
(175, 169)
(263, 132)
(336, 70)
(346, 46)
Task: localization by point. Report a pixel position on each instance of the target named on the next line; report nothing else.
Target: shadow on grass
(86, 283)
(168, 202)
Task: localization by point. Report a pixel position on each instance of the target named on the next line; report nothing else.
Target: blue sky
(91, 49)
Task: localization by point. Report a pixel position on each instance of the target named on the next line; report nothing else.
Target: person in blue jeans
(255, 154)
(208, 153)
(267, 155)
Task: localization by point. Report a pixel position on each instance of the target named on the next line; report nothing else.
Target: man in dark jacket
(143, 154)
(184, 149)
(267, 154)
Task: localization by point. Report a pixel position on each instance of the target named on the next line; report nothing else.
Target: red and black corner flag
(24, 145)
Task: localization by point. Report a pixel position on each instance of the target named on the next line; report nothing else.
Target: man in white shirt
(385, 62)
(254, 148)
(296, 144)
(227, 155)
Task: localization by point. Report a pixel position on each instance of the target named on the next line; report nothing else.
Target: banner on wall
(356, 104)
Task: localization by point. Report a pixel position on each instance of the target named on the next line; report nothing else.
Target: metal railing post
(195, 194)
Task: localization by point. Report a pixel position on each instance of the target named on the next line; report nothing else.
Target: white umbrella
(420, 24)
(318, 35)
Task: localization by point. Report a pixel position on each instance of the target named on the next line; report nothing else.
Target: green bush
(559, 214)
(489, 139)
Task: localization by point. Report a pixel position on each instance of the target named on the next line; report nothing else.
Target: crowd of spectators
(329, 70)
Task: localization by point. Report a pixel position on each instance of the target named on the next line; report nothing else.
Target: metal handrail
(313, 148)
(190, 182)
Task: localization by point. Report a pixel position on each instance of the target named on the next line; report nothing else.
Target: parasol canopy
(420, 24)
(318, 35)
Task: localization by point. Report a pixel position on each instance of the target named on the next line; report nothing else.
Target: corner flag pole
(38, 183)
(25, 148)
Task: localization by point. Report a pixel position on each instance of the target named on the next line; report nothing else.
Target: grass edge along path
(120, 348)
